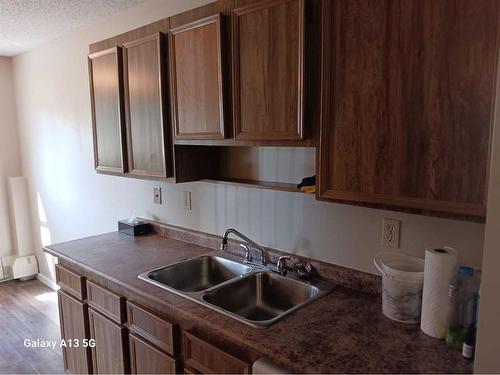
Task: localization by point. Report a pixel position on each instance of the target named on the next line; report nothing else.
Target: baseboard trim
(49, 282)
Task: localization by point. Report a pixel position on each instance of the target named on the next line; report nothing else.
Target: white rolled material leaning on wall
(20, 213)
(24, 264)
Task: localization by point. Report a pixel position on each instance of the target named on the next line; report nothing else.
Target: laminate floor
(28, 310)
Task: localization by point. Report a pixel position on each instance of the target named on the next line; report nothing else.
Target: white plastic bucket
(402, 283)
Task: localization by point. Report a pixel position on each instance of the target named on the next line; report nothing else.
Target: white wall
(488, 343)
(55, 130)
(10, 164)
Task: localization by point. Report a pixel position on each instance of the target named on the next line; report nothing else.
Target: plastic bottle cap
(466, 271)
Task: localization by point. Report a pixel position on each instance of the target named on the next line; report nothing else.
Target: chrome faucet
(280, 266)
(223, 245)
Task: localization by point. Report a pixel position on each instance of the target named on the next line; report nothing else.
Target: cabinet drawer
(146, 359)
(206, 358)
(156, 330)
(71, 282)
(107, 302)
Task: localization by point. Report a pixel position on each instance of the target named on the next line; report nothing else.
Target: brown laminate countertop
(343, 332)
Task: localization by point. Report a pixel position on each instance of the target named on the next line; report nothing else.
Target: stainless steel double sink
(249, 293)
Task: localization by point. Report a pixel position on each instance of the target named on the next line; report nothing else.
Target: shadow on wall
(45, 237)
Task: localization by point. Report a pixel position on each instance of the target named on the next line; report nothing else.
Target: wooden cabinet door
(74, 326)
(105, 73)
(196, 79)
(267, 65)
(148, 137)
(146, 359)
(407, 101)
(110, 354)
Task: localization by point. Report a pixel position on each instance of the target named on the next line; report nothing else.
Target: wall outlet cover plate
(391, 232)
(157, 195)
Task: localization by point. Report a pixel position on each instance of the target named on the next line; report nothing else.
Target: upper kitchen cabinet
(148, 143)
(105, 74)
(268, 70)
(196, 79)
(407, 103)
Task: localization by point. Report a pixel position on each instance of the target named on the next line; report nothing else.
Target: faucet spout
(223, 245)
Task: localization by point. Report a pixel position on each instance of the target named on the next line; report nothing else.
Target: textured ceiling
(24, 24)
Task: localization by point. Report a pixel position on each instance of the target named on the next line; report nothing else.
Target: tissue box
(134, 229)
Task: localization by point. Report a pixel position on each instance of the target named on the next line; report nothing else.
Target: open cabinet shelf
(269, 185)
(272, 168)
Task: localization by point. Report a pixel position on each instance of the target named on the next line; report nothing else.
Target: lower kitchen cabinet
(110, 354)
(205, 358)
(146, 359)
(74, 326)
(130, 338)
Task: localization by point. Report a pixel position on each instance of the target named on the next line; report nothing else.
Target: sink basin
(250, 293)
(197, 274)
(262, 297)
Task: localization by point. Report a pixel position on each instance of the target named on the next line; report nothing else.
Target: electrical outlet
(187, 200)
(157, 195)
(391, 230)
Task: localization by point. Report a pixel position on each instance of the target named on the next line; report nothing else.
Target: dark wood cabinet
(407, 99)
(131, 338)
(106, 92)
(398, 96)
(147, 359)
(196, 79)
(74, 326)
(148, 145)
(110, 354)
(268, 70)
(203, 357)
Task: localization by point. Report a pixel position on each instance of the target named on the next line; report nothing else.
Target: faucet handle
(303, 269)
(281, 264)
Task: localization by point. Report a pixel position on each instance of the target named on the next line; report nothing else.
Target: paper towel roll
(440, 265)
